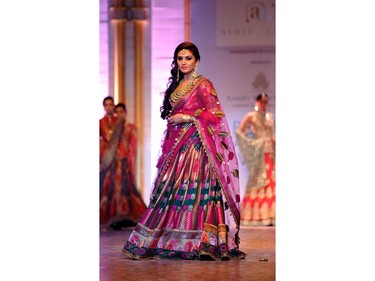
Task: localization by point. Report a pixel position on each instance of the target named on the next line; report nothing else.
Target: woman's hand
(176, 119)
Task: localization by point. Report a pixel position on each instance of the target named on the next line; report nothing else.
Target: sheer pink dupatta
(212, 126)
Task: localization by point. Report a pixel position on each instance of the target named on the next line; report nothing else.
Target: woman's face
(186, 61)
(121, 113)
(109, 107)
(262, 104)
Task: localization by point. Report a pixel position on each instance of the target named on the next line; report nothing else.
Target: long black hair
(172, 81)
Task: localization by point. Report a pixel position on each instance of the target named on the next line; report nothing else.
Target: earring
(178, 74)
(195, 73)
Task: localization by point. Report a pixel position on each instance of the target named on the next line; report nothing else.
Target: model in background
(256, 139)
(121, 204)
(107, 123)
(194, 206)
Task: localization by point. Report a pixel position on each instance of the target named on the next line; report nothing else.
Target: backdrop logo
(257, 11)
(245, 23)
(260, 82)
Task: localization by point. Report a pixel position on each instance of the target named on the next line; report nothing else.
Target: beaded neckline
(178, 93)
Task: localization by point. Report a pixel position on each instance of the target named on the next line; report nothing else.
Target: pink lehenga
(194, 205)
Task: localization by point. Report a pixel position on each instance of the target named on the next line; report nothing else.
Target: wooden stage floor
(259, 265)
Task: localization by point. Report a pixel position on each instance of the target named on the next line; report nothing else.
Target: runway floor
(259, 265)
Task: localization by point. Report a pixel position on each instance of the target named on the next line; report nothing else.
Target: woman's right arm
(244, 123)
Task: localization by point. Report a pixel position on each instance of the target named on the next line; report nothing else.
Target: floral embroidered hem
(205, 252)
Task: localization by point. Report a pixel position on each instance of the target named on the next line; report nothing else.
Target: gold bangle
(186, 118)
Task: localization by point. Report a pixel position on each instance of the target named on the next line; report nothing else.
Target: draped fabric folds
(194, 204)
(120, 200)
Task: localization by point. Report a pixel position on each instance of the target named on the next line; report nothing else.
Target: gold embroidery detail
(235, 173)
(223, 134)
(211, 130)
(219, 113)
(222, 231)
(223, 144)
(219, 157)
(210, 228)
(198, 112)
(222, 227)
(213, 92)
